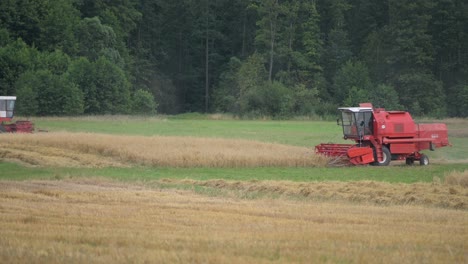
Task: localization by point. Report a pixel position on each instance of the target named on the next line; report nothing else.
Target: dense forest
(276, 58)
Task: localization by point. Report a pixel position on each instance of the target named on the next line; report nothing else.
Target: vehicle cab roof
(7, 97)
(356, 109)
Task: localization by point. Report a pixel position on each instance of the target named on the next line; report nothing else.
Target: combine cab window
(348, 120)
(357, 124)
(10, 106)
(6, 108)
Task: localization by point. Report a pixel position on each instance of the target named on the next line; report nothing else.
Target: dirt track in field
(102, 221)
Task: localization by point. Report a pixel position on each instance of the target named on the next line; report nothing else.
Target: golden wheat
(99, 221)
(84, 149)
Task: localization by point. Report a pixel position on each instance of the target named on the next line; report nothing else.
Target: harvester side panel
(394, 124)
(436, 132)
(403, 148)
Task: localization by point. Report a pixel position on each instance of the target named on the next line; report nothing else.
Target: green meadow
(304, 133)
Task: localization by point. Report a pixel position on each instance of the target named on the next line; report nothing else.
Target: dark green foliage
(411, 43)
(275, 99)
(421, 94)
(81, 72)
(57, 27)
(385, 96)
(94, 38)
(143, 103)
(15, 59)
(249, 56)
(351, 78)
(355, 96)
(26, 102)
(4, 37)
(44, 93)
(57, 62)
(251, 76)
(112, 87)
(306, 101)
(226, 95)
(105, 87)
(458, 96)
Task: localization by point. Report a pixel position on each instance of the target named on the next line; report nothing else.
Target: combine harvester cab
(7, 107)
(381, 136)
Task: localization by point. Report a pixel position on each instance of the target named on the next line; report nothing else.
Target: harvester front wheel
(386, 157)
(424, 160)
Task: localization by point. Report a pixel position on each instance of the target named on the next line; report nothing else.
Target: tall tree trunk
(207, 50)
(206, 71)
(272, 50)
(244, 22)
(290, 46)
(272, 43)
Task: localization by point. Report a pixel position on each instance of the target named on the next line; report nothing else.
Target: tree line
(278, 58)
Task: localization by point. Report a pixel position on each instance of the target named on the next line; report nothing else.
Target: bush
(458, 98)
(43, 93)
(143, 103)
(421, 94)
(306, 100)
(356, 96)
(105, 87)
(351, 74)
(385, 96)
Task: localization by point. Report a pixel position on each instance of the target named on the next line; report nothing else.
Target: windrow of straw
(97, 150)
(381, 193)
(457, 178)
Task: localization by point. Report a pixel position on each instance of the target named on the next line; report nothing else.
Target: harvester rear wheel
(424, 160)
(2, 129)
(386, 157)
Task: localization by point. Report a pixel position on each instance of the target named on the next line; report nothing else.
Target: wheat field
(101, 150)
(101, 221)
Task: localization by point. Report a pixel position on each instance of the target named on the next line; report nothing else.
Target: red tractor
(7, 107)
(381, 136)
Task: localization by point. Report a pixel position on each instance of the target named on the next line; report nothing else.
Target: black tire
(2, 129)
(410, 161)
(387, 157)
(424, 160)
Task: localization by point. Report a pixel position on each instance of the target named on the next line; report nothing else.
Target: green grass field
(299, 133)
(399, 173)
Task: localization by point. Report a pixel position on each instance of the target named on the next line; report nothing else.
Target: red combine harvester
(381, 136)
(7, 107)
